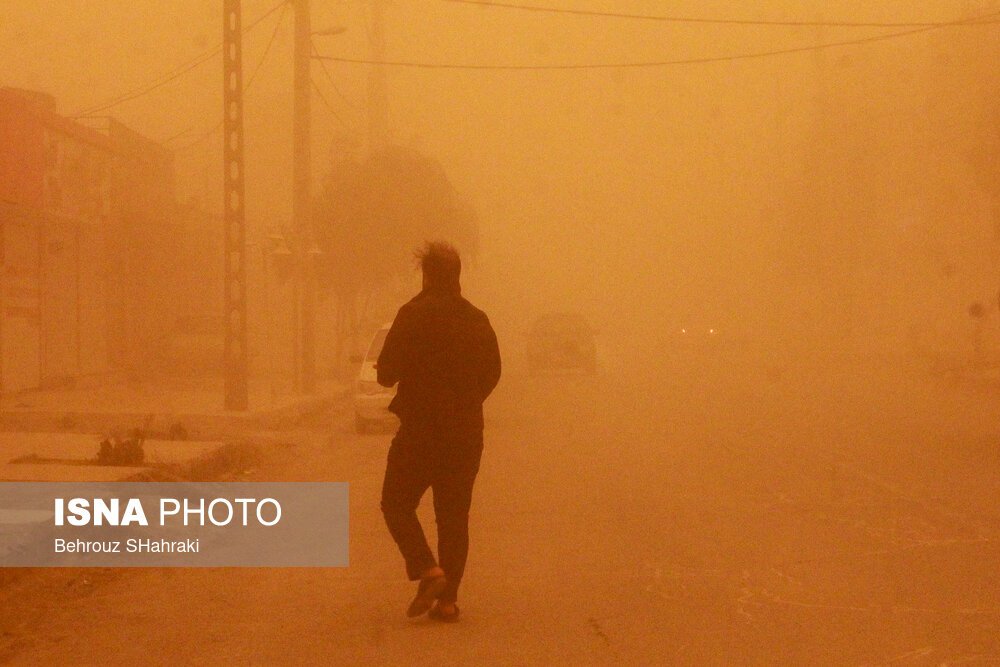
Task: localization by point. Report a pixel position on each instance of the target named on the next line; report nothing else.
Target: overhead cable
(333, 82)
(249, 82)
(267, 49)
(986, 19)
(326, 103)
(692, 19)
(175, 73)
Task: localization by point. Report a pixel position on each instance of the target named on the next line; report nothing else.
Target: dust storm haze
(742, 260)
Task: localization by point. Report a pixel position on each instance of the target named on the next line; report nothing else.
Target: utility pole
(305, 286)
(378, 112)
(234, 219)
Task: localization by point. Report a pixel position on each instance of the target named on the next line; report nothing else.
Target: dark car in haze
(562, 342)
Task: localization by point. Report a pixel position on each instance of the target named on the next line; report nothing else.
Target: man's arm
(491, 361)
(389, 367)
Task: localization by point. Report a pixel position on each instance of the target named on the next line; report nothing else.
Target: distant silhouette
(444, 354)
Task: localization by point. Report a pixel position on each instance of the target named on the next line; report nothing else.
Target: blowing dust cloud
(639, 332)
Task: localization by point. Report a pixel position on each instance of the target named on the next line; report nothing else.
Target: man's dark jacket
(444, 354)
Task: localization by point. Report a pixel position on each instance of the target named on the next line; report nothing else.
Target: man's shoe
(427, 592)
(439, 615)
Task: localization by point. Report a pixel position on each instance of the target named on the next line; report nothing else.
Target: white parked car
(371, 400)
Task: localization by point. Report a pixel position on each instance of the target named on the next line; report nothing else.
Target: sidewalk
(110, 404)
(69, 457)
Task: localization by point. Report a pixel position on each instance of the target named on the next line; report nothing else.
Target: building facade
(88, 245)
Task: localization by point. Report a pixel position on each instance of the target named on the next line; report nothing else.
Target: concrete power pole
(235, 362)
(305, 284)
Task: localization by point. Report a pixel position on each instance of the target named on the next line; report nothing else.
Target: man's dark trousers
(446, 461)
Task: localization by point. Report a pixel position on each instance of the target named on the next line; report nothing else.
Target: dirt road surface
(719, 511)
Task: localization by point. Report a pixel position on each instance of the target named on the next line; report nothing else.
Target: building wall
(20, 324)
(89, 266)
(21, 179)
(143, 249)
(22, 155)
(58, 300)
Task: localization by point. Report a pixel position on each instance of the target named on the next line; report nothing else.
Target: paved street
(717, 510)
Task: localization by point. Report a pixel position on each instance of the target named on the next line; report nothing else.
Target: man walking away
(443, 353)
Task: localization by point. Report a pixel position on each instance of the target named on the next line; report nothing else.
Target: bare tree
(371, 214)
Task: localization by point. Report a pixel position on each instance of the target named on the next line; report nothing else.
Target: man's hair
(440, 263)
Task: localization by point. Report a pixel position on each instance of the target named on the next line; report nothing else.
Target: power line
(177, 135)
(664, 63)
(691, 19)
(333, 82)
(267, 48)
(249, 82)
(175, 73)
(148, 89)
(326, 103)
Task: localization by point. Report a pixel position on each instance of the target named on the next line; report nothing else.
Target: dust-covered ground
(716, 507)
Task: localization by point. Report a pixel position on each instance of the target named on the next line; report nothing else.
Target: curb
(197, 426)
